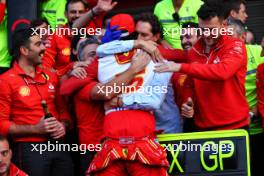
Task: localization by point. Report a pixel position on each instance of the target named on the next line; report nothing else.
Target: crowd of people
(127, 78)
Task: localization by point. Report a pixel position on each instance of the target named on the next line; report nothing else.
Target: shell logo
(66, 51)
(24, 91)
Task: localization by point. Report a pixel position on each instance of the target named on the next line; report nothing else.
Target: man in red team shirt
(23, 89)
(89, 114)
(6, 167)
(218, 66)
(129, 147)
(57, 56)
(260, 86)
(183, 84)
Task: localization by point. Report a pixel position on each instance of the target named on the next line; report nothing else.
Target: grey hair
(83, 44)
(239, 26)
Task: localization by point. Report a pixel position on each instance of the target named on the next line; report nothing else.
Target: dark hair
(3, 138)
(153, 21)
(212, 8)
(37, 22)
(21, 38)
(72, 2)
(132, 36)
(74, 42)
(233, 5)
(190, 25)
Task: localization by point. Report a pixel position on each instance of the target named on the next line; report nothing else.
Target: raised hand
(104, 6)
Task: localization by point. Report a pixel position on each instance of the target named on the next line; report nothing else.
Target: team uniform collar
(40, 77)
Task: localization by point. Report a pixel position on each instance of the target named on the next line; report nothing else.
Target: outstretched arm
(101, 7)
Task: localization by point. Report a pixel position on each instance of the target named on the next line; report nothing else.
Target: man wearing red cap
(129, 147)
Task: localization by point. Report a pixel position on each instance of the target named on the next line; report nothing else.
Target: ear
(11, 153)
(233, 13)
(225, 23)
(156, 37)
(244, 35)
(74, 52)
(23, 50)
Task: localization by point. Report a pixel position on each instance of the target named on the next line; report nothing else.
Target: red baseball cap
(124, 22)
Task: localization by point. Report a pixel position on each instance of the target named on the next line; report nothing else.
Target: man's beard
(187, 46)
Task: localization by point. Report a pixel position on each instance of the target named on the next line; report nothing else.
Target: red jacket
(183, 88)
(260, 91)
(176, 55)
(2, 11)
(15, 171)
(219, 84)
(89, 113)
(57, 56)
(20, 100)
(90, 116)
(118, 123)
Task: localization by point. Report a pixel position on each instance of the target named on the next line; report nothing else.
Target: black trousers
(257, 153)
(189, 125)
(86, 160)
(49, 163)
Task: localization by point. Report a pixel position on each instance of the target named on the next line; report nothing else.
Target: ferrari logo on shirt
(124, 58)
(66, 51)
(125, 152)
(51, 86)
(24, 91)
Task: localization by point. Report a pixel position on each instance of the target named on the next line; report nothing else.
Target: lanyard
(36, 84)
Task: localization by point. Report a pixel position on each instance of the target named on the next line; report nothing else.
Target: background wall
(255, 9)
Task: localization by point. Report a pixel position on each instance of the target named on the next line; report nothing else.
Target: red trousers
(131, 168)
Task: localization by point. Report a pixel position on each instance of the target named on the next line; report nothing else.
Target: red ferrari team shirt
(21, 96)
(90, 115)
(260, 91)
(15, 171)
(117, 123)
(57, 55)
(219, 84)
